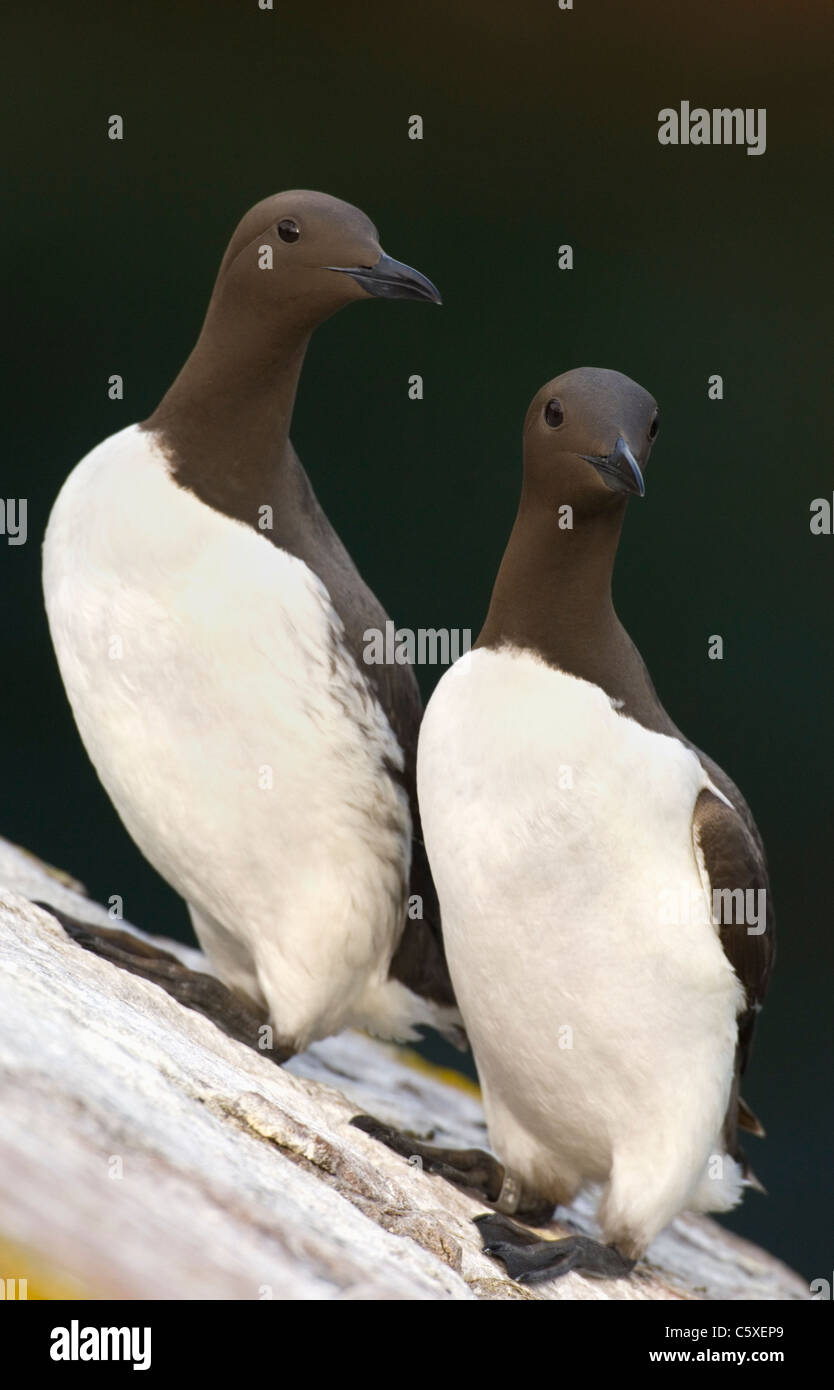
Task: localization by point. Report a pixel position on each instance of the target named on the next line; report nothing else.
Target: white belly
(559, 836)
(238, 740)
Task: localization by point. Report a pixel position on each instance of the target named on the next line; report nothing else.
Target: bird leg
(195, 990)
(529, 1260)
(472, 1169)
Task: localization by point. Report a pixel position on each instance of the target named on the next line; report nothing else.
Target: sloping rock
(145, 1154)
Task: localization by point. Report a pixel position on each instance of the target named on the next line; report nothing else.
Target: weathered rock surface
(144, 1154)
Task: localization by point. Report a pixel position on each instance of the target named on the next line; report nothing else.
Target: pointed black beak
(619, 470)
(390, 279)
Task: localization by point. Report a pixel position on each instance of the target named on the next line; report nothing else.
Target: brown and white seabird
(602, 882)
(208, 624)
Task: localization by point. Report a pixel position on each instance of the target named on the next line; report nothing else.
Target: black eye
(554, 414)
(288, 230)
(654, 426)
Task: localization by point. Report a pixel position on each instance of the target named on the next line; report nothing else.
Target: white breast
(559, 836)
(238, 740)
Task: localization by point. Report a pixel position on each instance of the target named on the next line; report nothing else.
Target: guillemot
(593, 869)
(208, 624)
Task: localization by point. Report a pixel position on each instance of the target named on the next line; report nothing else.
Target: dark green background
(540, 128)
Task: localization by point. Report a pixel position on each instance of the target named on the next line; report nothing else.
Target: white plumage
(558, 830)
(239, 741)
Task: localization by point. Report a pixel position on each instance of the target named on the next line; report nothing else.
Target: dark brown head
(587, 439)
(308, 254)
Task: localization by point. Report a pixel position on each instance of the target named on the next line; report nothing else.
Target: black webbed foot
(473, 1169)
(529, 1260)
(551, 1259)
(494, 1227)
(195, 990)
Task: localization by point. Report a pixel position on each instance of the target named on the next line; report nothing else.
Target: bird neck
(226, 418)
(553, 589)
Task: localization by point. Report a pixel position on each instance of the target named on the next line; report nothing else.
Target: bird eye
(654, 426)
(554, 414)
(288, 230)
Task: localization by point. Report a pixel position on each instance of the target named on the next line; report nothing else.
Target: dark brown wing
(302, 528)
(420, 960)
(735, 866)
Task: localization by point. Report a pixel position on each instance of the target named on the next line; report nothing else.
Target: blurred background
(540, 129)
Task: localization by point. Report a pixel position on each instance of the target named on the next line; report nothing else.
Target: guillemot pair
(209, 625)
(593, 868)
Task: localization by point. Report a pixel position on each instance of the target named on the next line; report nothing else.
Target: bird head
(587, 438)
(308, 254)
